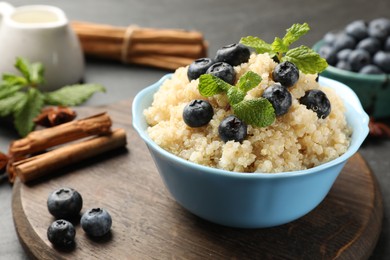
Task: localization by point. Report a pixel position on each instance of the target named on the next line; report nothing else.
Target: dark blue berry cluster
(362, 47)
(65, 205)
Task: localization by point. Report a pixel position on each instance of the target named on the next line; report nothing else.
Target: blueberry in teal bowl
(359, 56)
(268, 147)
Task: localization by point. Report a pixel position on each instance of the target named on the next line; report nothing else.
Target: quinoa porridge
(296, 140)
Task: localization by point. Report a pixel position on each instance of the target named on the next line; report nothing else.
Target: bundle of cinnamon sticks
(161, 48)
(43, 151)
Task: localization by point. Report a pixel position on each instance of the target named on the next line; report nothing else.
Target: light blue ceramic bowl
(249, 200)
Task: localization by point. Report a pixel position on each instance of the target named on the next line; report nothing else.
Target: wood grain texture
(148, 224)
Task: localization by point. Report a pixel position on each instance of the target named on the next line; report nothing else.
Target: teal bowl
(372, 90)
(249, 200)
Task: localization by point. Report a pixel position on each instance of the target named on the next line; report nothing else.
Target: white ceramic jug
(40, 33)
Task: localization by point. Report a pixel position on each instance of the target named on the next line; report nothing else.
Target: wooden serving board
(148, 224)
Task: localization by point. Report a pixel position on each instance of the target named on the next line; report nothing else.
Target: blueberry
(382, 60)
(234, 54)
(96, 222)
(358, 59)
(343, 54)
(197, 113)
(379, 28)
(64, 203)
(317, 101)
(279, 97)
(198, 68)
(344, 41)
(370, 44)
(286, 73)
(328, 53)
(61, 233)
(223, 71)
(330, 37)
(357, 29)
(386, 46)
(371, 69)
(344, 65)
(232, 129)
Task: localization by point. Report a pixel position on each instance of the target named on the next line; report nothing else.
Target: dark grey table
(222, 22)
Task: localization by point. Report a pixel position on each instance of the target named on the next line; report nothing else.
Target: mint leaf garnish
(248, 81)
(278, 46)
(259, 45)
(20, 95)
(295, 32)
(303, 57)
(235, 95)
(72, 95)
(307, 60)
(209, 85)
(258, 112)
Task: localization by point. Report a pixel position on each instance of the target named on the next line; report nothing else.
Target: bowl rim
(350, 74)
(352, 149)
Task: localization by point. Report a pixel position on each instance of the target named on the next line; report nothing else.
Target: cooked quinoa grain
(295, 141)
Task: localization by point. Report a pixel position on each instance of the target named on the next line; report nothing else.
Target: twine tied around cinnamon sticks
(161, 48)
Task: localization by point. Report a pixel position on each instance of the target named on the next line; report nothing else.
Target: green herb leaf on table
(12, 103)
(20, 95)
(9, 90)
(72, 95)
(33, 102)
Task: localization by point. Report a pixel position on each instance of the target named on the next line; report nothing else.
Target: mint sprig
(21, 98)
(257, 112)
(307, 60)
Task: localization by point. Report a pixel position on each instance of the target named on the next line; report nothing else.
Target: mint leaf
(258, 112)
(210, 85)
(9, 79)
(295, 32)
(279, 46)
(6, 91)
(259, 45)
(307, 60)
(10, 104)
(23, 66)
(32, 72)
(235, 95)
(36, 73)
(29, 107)
(248, 81)
(72, 95)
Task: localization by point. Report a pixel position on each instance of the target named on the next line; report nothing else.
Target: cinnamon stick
(41, 140)
(40, 165)
(161, 48)
(102, 31)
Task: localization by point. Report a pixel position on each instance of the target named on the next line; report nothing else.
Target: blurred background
(221, 22)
